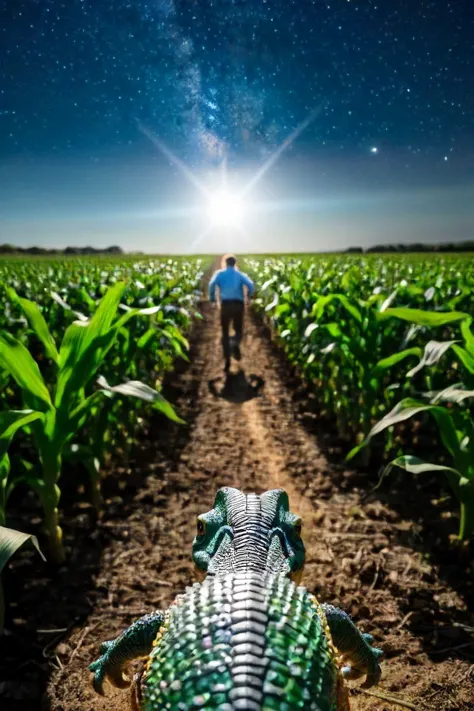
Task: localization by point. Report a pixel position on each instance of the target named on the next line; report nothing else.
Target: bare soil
(384, 557)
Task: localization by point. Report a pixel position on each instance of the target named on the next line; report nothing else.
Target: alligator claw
(98, 668)
(105, 668)
(371, 668)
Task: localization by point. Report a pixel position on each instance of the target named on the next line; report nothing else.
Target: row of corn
(84, 345)
(387, 346)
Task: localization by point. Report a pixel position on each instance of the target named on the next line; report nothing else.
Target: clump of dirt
(364, 553)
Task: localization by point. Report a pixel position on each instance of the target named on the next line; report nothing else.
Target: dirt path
(244, 431)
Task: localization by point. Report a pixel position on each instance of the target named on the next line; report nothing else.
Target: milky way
(241, 73)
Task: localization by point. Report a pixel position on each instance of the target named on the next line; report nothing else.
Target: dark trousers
(231, 312)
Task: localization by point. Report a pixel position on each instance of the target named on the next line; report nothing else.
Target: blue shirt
(231, 284)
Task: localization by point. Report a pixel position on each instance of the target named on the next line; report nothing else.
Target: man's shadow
(236, 387)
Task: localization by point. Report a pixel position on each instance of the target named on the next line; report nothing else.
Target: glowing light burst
(226, 209)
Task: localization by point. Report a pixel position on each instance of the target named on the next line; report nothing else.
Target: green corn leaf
(423, 318)
(80, 357)
(105, 312)
(175, 344)
(16, 359)
(4, 488)
(147, 337)
(434, 351)
(309, 330)
(387, 363)
(282, 309)
(86, 298)
(323, 301)
(131, 313)
(404, 410)
(37, 322)
(465, 357)
(10, 542)
(268, 283)
(389, 300)
(72, 347)
(135, 388)
(329, 348)
(453, 393)
(172, 328)
(350, 278)
(67, 429)
(66, 307)
(463, 487)
(80, 335)
(11, 421)
(468, 336)
(127, 344)
(349, 306)
(334, 330)
(23, 470)
(272, 304)
(414, 465)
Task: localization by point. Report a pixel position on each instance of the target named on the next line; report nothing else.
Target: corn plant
(456, 430)
(354, 351)
(65, 406)
(462, 346)
(336, 340)
(350, 324)
(454, 420)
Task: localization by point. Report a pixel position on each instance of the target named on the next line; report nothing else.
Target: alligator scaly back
(247, 638)
(244, 641)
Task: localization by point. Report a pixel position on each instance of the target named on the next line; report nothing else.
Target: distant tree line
(467, 246)
(12, 249)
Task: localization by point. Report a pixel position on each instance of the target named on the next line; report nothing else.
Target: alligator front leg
(133, 643)
(354, 646)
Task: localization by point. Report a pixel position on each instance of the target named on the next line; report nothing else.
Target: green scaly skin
(247, 638)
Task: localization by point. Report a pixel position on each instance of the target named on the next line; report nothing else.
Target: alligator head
(249, 532)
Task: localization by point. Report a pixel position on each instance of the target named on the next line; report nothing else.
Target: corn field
(118, 423)
(387, 347)
(84, 346)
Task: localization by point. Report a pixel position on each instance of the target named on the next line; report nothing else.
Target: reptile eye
(201, 527)
(297, 528)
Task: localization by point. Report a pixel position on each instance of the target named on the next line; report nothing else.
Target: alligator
(248, 637)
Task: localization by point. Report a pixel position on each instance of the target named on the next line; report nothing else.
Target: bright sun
(225, 209)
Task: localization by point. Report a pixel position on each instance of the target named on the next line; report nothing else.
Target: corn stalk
(65, 406)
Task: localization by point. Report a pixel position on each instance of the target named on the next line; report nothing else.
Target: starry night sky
(387, 156)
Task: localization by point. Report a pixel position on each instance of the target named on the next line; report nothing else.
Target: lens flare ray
(225, 208)
(279, 151)
(173, 158)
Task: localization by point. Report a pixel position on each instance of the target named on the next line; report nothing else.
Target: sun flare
(225, 209)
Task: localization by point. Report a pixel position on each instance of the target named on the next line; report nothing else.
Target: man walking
(231, 282)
